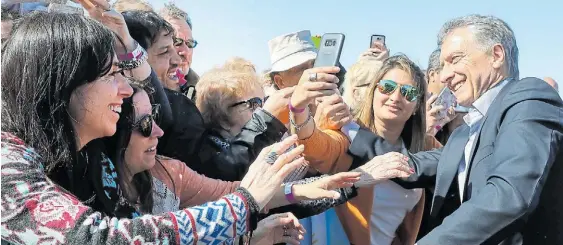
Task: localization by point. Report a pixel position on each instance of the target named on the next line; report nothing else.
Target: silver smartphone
(445, 98)
(375, 38)
(330, 49)
(64, 8)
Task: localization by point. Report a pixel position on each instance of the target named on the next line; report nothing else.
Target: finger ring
(313, 77)
(271, 157)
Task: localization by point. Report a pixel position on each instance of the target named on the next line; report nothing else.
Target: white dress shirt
(474, 119)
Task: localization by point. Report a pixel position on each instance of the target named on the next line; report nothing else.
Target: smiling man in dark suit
(498, 179)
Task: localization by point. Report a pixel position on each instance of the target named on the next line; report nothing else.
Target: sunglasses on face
(388, 87)
(253, 103)
(145, 124)
(190, 42)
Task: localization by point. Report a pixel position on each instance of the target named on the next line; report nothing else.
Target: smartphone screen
(376, 39)
(63, 8)
(188, 91)
(330, 50)
(445, 98)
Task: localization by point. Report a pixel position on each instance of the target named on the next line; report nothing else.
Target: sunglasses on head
(145, 124)
(253, 103)
(388, 87)
(190, 42)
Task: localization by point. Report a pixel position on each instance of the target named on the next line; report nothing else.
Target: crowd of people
(109, 136)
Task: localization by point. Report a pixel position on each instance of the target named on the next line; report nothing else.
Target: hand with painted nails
(380, 168)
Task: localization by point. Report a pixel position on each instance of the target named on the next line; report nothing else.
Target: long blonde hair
(414, 129)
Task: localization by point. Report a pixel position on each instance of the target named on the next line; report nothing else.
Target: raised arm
(35, 210)
(196, 189)
(309, 208)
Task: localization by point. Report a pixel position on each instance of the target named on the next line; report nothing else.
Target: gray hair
(489, 30)
(173, 11)
(434, 61)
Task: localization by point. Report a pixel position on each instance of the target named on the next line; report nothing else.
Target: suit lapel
(475, 144)
(448, 165)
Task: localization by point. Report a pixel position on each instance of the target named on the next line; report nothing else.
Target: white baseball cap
(290, 50)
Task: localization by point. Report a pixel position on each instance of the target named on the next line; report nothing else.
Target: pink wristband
(288, 191)
(295, 110)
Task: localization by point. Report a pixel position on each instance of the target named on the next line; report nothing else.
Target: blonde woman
(394, 109)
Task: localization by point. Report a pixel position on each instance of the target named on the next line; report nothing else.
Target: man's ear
(431, 76)
(278, 81)
(498, 56)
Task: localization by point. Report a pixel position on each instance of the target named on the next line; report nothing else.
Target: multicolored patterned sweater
(37, 211)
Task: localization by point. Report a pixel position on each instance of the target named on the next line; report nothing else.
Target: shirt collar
(482, 104)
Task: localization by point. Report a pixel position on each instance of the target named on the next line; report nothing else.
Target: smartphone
(188, 91)
(63, 8)
(376, 39)
(445, 98)
(330, 50)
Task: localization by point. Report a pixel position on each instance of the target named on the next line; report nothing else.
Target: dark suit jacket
(514, 188)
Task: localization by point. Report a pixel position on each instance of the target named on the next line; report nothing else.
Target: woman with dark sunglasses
(393, 108)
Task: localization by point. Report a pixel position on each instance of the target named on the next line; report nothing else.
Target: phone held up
(330, 50)
(445, 98)
(375, 38)
(448, 99)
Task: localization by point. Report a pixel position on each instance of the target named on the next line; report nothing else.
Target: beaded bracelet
(134, 59)
(253, 208)
(299, 127)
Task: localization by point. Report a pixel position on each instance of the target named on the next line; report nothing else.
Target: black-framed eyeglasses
(145, 124)
(189, 42)
(253, 103)
(389, 86)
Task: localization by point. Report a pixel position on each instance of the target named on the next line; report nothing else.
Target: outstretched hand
(325, 187)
